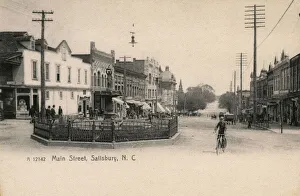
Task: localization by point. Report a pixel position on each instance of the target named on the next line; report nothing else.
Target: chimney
(92, 46)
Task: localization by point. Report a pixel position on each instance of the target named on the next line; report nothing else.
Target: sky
(197, 39)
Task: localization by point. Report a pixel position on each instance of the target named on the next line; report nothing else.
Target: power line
(277, 23)
(11, 9)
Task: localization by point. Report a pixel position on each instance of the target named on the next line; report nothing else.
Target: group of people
(50, 113)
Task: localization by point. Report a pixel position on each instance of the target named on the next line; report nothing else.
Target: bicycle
(221, 143)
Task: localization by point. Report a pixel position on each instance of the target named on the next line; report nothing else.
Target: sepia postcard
(131, 97)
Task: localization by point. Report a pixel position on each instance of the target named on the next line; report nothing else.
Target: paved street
(255, 163)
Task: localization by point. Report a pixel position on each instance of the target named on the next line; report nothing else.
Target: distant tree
(226, 101)
(196, 97)
(181, 100)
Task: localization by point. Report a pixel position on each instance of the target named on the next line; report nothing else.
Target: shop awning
(146, 106)
(138, 103)
(160, 109)
(119, 101)
(168, 110)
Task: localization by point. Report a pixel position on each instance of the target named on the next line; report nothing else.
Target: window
(63, 53)
(150, 78)
(34, 70)
(47, 95)
(47, 71)
(78, 78)
(72, 95)
(84, 92)
(98, 79)
(102, 81)
(95, 79)
(61, 95)
(85, 76)
(69, 74)
(57, 73)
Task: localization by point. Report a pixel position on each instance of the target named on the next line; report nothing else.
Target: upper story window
(57, 73)
(150, 78)
(34, 70)
(64, 53)
(85, 77)
(69, 74)
(78, 76)
(72, 95)
(47, 73)
(95, 79)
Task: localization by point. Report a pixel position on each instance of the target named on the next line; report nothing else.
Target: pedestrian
(31, 114)
(150, 116)
(48, 112)
(91, 113)
(60, 111)
(249, 121)
(52, 113)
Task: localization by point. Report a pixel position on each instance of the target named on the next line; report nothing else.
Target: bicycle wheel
(218, 149)
(224, 144)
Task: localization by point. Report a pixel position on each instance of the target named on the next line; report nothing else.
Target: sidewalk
(286, 129)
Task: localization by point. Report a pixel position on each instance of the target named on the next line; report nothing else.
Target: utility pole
(256, 17)
(43, 20)
(241, 59)
(156, 98)
(125, 78)
(234, 95)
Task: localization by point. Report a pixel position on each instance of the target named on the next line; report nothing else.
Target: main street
(255, 163)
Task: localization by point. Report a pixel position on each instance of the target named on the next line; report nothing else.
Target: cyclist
(221, 128)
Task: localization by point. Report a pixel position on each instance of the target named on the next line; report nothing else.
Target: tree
(226, 101)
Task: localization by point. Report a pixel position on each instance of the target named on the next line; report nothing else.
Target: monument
(109, 94)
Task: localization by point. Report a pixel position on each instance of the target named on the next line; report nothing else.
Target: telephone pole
(241, 59)
(43, 20)
(256, 17)
(234, 93)
(125, 78)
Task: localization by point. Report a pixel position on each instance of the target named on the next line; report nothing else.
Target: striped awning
(119, 101)
(160, 109)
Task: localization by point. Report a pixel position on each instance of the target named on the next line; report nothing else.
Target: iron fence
(66, 129)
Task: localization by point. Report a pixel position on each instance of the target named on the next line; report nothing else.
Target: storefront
(84, 106)
(8, 102)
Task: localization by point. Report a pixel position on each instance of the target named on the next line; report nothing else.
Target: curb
(107, 145)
